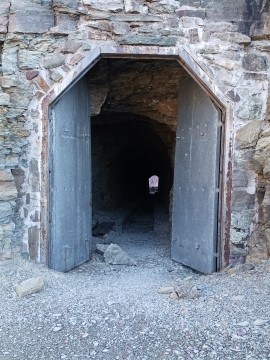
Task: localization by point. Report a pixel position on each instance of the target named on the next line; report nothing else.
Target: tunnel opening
(147, 117)
(133, 122)
(126, 151)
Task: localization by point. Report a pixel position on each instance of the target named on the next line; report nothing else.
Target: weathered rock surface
(29, 17)
(241, 268)
(262, 154)
(30, 286)
(8, 191)
(254, 62)
(5, 255)
(4, 99)
(106, 6)
(53, 61)
(187, 291)
(5, 175)
(29, 59)
(251, 108)
(114, 255)
(248, 135)
(166, 290)
(6, 211)
(148, 40)
(4, 12)
(182, 291)
(101, 248)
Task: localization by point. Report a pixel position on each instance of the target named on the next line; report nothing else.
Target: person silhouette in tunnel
(153, 184)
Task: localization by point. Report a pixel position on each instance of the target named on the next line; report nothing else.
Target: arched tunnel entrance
(126, 151)
(147, 117)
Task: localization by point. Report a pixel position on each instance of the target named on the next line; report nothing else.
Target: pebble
(57, 328)
(243, 324)
(166, 290)
(260, 322)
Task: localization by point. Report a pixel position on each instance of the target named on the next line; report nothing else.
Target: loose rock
(114, 255)
(101, 248)
(187, 291)
(243, 324)
(166, 290)
(30, 286)
(260, 322)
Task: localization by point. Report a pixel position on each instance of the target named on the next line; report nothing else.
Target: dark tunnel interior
(126, 151)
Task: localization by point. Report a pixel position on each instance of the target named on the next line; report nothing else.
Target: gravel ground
(100, 311)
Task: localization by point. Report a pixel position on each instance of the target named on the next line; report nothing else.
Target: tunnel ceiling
(145, 87)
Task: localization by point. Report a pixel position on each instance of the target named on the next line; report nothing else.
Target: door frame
(200, 74)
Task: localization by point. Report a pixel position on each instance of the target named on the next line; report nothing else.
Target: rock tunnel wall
(42, 42)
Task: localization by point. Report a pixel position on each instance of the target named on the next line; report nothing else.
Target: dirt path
(99, 311)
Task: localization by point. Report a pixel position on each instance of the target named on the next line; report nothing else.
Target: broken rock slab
(166, 290)
(30, 286)
(101, 248)
(187, 291)
(241, 268)
(114, 255)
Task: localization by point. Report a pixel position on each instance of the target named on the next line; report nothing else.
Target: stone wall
(44, 41)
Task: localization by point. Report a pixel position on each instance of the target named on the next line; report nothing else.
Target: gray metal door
(70, 179)
(196, 180)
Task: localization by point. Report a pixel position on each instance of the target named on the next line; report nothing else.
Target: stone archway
(194, 70)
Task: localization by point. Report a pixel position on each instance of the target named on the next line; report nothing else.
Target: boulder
(114, 255)
(30, 286)
(187, 291)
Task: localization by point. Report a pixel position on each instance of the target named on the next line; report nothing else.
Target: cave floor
(142, 230)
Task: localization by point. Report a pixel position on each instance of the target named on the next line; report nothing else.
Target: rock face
(43, 46)
(261, 155)
(114, 255)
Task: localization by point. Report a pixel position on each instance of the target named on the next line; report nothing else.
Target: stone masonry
(43, 41)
